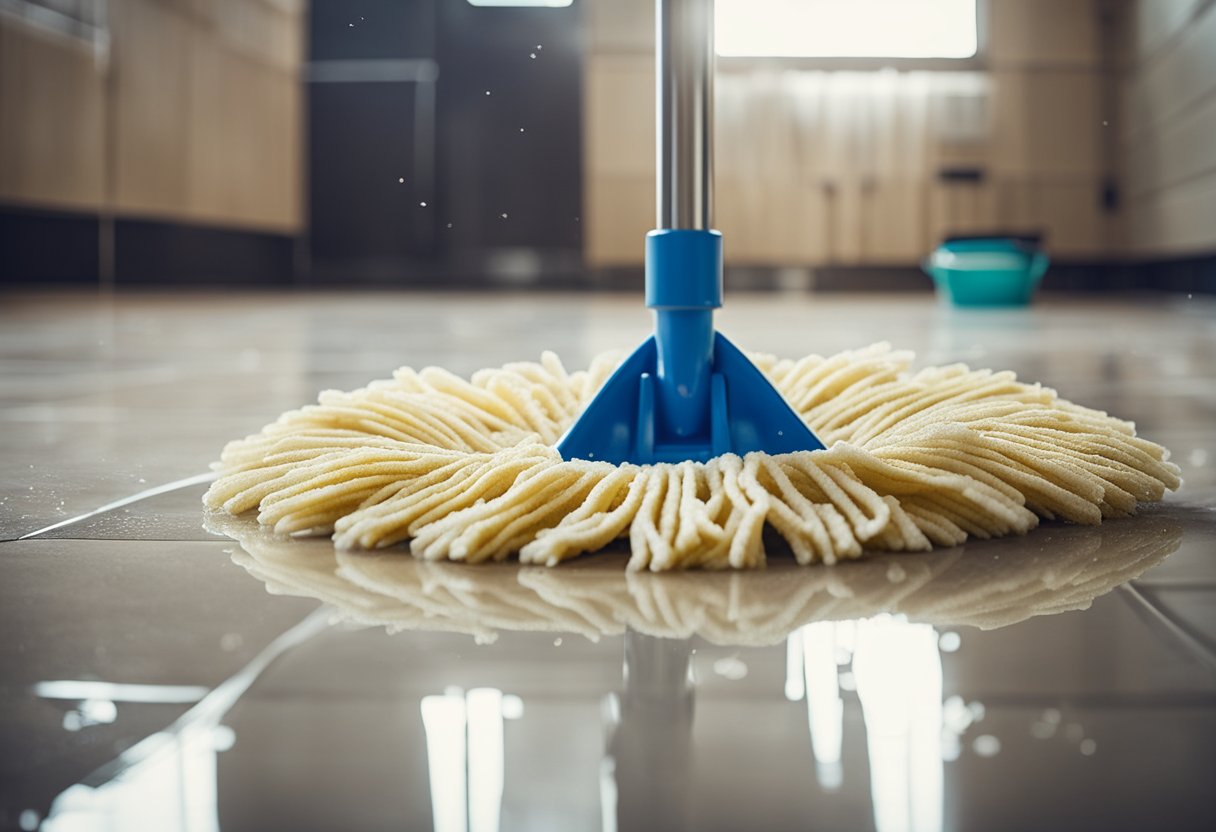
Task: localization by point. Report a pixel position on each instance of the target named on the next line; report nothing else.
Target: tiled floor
(197, 686)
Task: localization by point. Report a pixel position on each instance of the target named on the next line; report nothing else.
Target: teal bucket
(988, 271)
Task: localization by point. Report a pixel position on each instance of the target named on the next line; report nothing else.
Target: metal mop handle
(684, 86)
(684, 286)
(687, 393)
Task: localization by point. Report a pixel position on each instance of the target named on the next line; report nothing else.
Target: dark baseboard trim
(41, 248)
(47, 249)
(151, 253)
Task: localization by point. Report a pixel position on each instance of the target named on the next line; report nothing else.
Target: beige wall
(1167, 136)
(789, 193)
(194, 115)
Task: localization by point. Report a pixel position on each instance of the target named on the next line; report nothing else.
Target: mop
(688, 448)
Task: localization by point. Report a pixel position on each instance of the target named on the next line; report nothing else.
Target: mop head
(466, 470)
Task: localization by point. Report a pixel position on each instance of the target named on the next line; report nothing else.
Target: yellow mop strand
(467, 471)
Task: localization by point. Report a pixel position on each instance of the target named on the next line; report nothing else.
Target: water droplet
(422, 204)
(896, 573)
(503, 215)
(731, 667)
(449, 225)
(539, 47)
(986, 745)
(557, 642)
(521, 129)
(351, 25)
(532, 55)
(29, 820)
(401, 179)
(1105, 123)
(487, 92)
(949, 642)
(1088, 747)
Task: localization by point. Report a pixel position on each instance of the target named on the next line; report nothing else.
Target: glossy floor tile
(165, 669)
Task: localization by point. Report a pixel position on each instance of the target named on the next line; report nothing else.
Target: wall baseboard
(47, 249)
(41, 248)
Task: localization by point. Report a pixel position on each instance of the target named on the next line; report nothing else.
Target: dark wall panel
(154, 253)
(515, 152)
(487, 165)
(362, 144)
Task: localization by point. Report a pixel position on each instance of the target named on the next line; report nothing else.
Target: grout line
(215, 705)
(1195, 643)
(215, 538)
(198, 479)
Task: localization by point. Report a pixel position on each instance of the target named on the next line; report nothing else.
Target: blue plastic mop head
(686, 393)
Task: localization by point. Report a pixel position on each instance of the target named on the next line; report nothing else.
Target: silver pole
(684, 73)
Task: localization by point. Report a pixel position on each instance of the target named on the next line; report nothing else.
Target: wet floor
(165, 670)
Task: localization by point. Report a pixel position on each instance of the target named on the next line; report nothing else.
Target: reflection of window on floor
(896, 669)
(173, 786)
(846, 28)
(81, 19)
(464, 753)
(825, 709)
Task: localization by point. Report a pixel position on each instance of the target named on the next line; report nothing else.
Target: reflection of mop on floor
(997, 584)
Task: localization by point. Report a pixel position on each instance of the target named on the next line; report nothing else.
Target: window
(846, 28)
(553, 4)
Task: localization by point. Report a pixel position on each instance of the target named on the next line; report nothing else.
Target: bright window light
(846, 28)
(553, 4)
